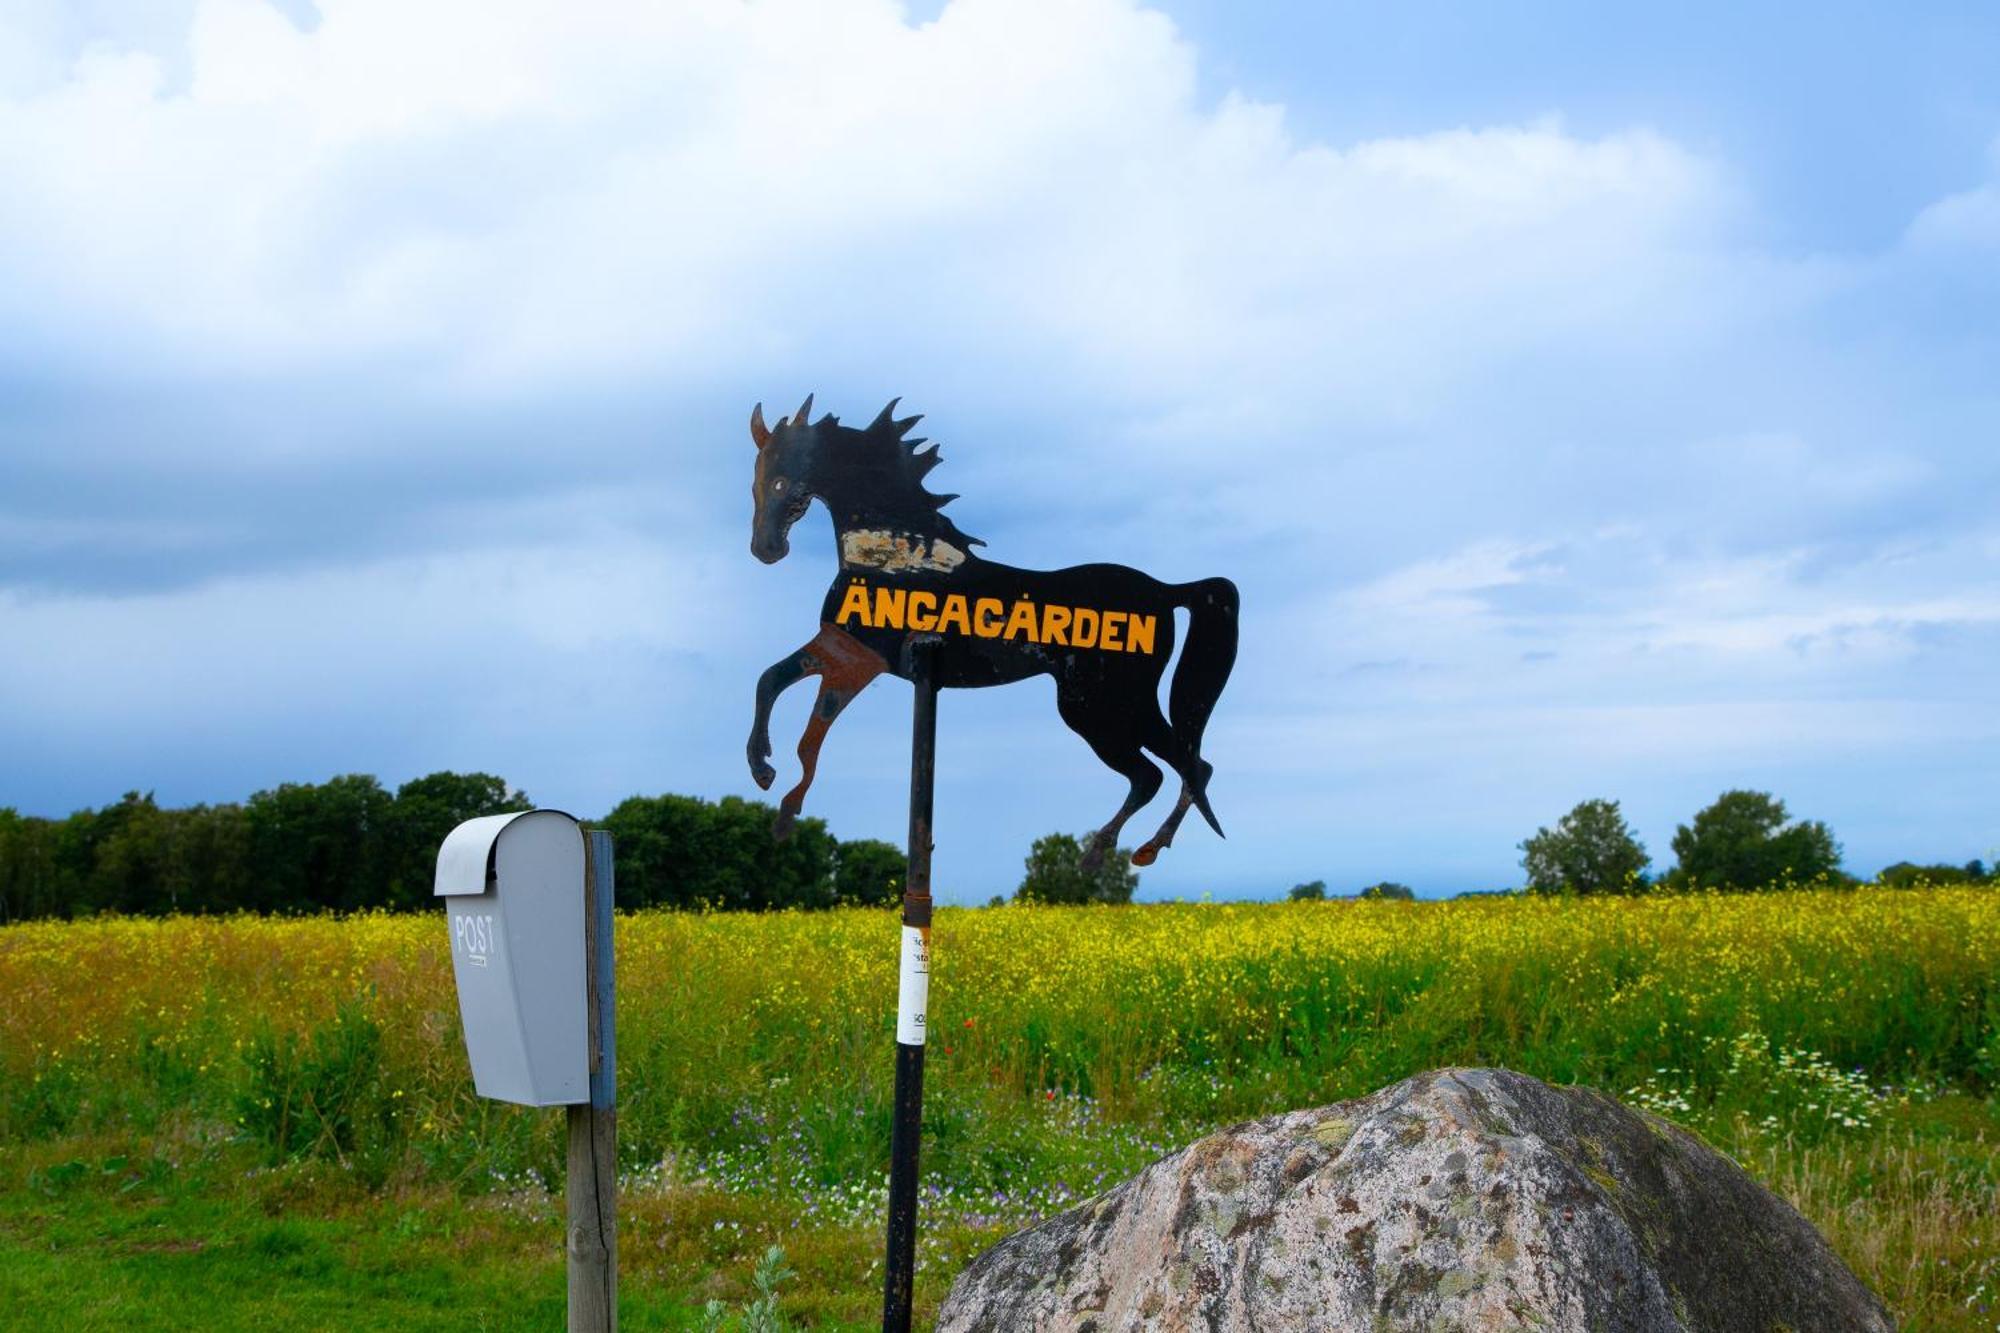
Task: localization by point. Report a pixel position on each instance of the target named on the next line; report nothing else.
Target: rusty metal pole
(913, 1002)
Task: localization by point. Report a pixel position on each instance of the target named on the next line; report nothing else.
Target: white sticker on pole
(914, 994)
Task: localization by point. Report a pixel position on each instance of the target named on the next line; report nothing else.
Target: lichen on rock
(1459, 1199)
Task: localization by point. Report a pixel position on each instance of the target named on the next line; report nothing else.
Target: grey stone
(1461, 1199)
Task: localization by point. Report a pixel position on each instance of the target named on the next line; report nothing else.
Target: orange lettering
(1114, 626)
(1021, 623)
(986, 613)
(1055, 625)
(855, 606)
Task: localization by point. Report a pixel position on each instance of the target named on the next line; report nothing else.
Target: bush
(1056, 874)
(1590, 850)
(1743, 842)
(869, 873)
(1310, 892)
(681, 851)
(1905, 875)
(316, 1097)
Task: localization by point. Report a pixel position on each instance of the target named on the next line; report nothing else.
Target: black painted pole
(913, 1001)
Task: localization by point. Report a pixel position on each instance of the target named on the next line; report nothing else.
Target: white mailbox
(513, 887)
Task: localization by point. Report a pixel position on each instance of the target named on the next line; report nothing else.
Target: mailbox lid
(465, 861)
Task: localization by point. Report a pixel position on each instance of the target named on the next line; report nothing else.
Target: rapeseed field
(1843, 1043)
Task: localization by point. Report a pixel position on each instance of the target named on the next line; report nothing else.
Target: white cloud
(1969, 219)
(1450, 587)
(1511, 433)
(514, 190)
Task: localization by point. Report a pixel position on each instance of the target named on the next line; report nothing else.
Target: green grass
(86, 1256)
(96, 1234)
(206, 1122)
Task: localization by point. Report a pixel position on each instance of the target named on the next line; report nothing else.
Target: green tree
(73, 842)
(1312, 891)
(130, 858)
(27, 867)
(320, 846)
(869, 873)
(681, 851)
(1590, 850)
(1905, 875)
(1389, 888)
(1744, 842)
(209, 863)
(426, 810)
(1056, 874)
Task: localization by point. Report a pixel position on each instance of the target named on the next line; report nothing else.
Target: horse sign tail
(1203, 670)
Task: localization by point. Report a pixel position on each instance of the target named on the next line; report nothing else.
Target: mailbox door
(482, 960)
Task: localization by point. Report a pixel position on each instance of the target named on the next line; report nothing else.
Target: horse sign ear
(758, 430)
(803, 415)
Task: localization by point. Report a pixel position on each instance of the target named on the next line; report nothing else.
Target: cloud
(410, 339)
(502, 191)
(1969, 219)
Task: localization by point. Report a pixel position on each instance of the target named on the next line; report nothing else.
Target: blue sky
(1588, 403)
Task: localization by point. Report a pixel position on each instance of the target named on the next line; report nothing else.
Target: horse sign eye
(778, 485)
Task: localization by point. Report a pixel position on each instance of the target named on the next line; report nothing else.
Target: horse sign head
(907, 575)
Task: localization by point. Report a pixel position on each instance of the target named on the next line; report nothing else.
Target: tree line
(1745, 840)
(350, 843)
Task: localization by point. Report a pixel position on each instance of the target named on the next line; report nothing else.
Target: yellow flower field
(1068, 1044)
(1343, 995)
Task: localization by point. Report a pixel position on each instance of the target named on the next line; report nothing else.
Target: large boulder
(1462, 1199)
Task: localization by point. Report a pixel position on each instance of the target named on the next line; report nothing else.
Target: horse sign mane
(910, 578)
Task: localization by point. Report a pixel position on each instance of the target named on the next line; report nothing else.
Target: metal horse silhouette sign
(910, 578)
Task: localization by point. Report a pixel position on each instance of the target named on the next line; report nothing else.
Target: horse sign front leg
(844, 667)
(780, 676)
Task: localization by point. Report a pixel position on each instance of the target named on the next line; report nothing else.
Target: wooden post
(592, 1194)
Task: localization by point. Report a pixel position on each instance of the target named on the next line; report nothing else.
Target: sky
(1587, 403)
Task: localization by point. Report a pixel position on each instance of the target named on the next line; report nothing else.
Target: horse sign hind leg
(1191, 791)
(844, 668)
(1118, 745)
(1150, 850)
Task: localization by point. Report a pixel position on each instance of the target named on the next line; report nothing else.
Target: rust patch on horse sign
(1104, 632)
(896, 553)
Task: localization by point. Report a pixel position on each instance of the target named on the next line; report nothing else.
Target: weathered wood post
(592, 1193)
